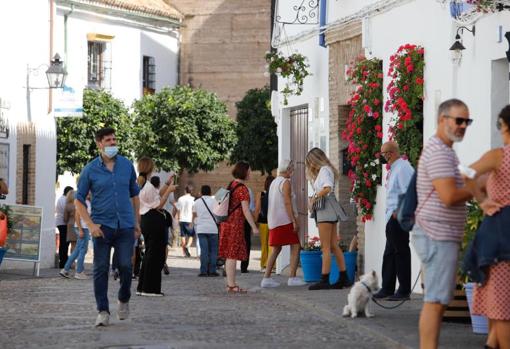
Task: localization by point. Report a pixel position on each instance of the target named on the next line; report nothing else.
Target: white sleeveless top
(276, 213)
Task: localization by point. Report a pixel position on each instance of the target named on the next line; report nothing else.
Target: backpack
(222, 211)
(407, 204)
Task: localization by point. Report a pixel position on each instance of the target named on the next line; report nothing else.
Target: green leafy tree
(183, 128)
(256, 132)
(75, 136)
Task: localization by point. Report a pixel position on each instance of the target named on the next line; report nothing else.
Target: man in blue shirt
(114, 221)
(397, 254)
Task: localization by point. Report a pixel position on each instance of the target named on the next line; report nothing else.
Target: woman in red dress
(232, 244)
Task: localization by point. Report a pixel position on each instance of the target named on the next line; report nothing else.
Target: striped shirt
(439, 222)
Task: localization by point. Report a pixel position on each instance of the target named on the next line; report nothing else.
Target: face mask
(383, 160)
(111, 151)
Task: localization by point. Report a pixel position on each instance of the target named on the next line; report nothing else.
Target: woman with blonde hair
(153, 226)
(69, 215)
(326, 211)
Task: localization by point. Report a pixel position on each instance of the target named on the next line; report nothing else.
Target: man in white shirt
(397, 254)
(63, 244)
(185, 218)
(207, 231)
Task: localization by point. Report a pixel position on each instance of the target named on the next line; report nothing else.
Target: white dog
(360, 295)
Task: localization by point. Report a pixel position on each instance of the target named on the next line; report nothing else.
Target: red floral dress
(232, 243)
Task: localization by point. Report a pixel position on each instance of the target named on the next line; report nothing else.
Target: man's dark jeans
(63, 246)
(122, 240)
(208, 252)
(396, 260)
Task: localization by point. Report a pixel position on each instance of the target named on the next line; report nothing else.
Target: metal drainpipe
(66, 17)
(50, 94)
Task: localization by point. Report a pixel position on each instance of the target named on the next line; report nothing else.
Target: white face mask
(110, 152)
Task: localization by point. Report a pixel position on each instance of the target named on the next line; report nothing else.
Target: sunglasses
(499, 124)
(459, 121)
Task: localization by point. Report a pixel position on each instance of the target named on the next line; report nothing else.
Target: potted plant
(5, 224)
(474, 219)
(294, 68)
(350, 258)
(311, 259)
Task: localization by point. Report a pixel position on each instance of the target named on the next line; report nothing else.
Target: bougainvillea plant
(405, 100)
(364, 132)
(294, 68)
(483, 5)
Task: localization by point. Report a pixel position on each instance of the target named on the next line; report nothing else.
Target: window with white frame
(99, 65)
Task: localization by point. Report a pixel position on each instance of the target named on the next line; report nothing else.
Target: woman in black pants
(153, 227)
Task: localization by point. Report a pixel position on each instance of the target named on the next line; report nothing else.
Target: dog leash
(402, 302)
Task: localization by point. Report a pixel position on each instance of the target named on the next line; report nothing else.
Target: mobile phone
(467, 171)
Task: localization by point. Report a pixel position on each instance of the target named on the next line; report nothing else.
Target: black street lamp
(457, 46)
(56, 73)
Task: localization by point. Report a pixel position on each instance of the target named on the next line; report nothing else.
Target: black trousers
(138, 259)
(63, 245)
(153, 227)
(396, 259)
(247, 239)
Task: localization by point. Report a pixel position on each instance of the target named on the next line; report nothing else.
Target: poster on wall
(24, 237)
(4, 162)
(68, 102)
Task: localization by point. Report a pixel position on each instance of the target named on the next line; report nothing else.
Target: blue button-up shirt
(400, 175)
(111, 192)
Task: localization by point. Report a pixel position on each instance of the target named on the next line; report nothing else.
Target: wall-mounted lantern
(457, 46)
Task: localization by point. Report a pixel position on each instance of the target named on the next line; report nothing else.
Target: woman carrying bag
(326, 211)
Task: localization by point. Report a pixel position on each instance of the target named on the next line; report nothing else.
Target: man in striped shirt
(440, 216)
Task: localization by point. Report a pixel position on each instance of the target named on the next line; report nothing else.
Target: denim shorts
(439, 264)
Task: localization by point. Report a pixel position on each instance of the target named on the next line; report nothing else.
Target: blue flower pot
(2, 253)
(350, 266)
(311, 263)
(479, 323)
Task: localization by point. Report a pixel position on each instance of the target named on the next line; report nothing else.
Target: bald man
(397, 254)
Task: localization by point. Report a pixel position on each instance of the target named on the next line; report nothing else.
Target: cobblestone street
(52, 312)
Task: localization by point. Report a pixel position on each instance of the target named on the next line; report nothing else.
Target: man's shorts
(439, 261)
(186, 230)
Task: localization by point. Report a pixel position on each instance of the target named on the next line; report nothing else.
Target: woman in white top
(207, 231)
(323, 176)
(153, 225)
(283, 225)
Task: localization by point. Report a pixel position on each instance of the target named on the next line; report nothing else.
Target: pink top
(498, 184)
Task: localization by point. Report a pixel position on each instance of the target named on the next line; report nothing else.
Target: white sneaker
(122, 310)
(269, 282)
(296, 281)
(65, 273)
(145, 294)
(81, 276)
(103, 319)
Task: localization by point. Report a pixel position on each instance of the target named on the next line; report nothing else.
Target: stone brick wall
(25, 136)
(344, 46)
(222, 50)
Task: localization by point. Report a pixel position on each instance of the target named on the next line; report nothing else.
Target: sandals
(236, 290)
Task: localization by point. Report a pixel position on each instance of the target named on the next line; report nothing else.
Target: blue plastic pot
(350, 266)
(2, 253)
(311, 264)
(479, 323)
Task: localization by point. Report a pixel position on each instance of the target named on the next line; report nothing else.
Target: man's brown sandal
(236, 289)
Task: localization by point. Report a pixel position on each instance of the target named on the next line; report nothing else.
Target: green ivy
(256, 132)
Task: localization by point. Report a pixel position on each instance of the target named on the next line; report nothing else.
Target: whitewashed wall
(29, 47)
(471, 82)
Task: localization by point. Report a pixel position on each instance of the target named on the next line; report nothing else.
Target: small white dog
(360, 295)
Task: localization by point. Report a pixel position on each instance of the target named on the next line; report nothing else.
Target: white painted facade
(27, 46)
(129, 39)
(481, 79)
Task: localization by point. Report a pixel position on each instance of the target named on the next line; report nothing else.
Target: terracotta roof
(151, 7)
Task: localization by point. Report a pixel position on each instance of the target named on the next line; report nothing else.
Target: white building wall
(29, 48)
(131, 41)
(471, 82)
